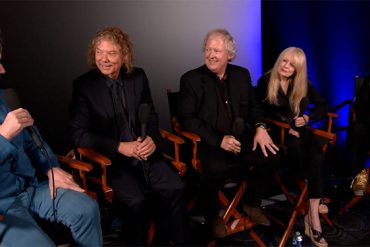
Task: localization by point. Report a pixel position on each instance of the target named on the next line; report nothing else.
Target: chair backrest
(172, 97)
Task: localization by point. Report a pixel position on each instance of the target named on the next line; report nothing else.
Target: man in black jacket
(105, 117)
(214, 98)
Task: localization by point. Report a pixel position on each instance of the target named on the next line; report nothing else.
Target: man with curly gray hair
(106, 117)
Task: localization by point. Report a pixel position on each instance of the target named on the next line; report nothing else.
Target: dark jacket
(93, 122)
(198, 101)
(282, 112)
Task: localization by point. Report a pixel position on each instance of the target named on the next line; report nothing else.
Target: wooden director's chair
(234, 220)
(94, 180)
(301, 203)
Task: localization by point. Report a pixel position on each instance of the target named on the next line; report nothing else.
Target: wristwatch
(260, 125)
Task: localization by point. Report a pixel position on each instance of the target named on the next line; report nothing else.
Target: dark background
(46, 44)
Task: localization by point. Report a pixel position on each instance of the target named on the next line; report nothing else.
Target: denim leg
(73, 209)
(19, 227)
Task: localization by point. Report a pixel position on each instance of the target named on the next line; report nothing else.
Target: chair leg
(293, 217)
(151, 233)
(327, 220)
(235, 221)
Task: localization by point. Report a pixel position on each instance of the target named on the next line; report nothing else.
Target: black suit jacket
(92, 122)
(198, 102)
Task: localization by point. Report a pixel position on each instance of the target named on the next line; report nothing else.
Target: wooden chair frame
(82, 153)
(300, 203)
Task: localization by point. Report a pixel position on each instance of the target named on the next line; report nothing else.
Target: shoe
(359, 183)
(257, 215)
(315, 236)
(218, 227)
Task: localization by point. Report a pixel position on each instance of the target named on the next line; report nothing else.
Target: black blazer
(92, 122)
(198, 102)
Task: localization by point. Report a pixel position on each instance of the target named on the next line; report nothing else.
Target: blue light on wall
(243, 19)
(334, 36)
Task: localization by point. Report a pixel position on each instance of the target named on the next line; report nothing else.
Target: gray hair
(230, 41)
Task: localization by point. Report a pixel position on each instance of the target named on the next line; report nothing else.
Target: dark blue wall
(335, 36)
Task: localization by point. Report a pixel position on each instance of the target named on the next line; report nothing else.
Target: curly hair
(120, 38)
(230, 41)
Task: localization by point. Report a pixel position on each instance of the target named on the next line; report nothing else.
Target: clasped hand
(301, 121)
(139, 149)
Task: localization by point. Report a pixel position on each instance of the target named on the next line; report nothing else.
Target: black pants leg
(165, 182)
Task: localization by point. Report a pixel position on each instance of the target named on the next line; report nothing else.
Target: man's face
(2, 69)
(108, 58)
(216, 55)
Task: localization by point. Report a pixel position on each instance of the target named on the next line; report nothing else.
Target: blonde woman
(285, 93)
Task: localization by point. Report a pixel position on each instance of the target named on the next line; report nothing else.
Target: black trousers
(306, 160)
(132, 189)
(219, 166)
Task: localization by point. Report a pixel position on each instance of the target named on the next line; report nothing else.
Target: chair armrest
(194, 138)
(171, 137)
(82, 168)
(277, 123)
(75, 164)
(282, 125)
(175, 160)
(103, 161)
(331, 115)
(94, 156)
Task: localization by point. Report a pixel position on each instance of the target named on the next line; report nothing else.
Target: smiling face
(216, 55)
(109, 58)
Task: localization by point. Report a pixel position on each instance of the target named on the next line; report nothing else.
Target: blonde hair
(120, 38)
(298, 80)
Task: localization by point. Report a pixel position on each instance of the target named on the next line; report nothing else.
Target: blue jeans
(73, 209)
